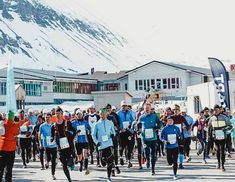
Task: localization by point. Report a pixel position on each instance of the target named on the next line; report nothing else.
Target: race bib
(105, 138)
(64, 143)
(83, 130)
(48, 140)
(23, 128)
(219, 135)
(179, 126)
(171, 138)
(125, 124)
(148, 133)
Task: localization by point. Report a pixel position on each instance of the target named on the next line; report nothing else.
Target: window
(45, 88)
(158, 84)
(153, 83)
(173, 83)
(144, 84)
(136, 84)
(177, 83)
(126, 87)
(33, 89)
(148, 85)
(164, 83)
(3, 88)
(140, 84)
(169, 83)
(80, 88)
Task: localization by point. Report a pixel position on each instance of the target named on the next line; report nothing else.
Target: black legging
(25, 145)
(65, 154)
(160, 147)
(220, 149)
(229, 143)
(92, 148)
(7, 159)
(106, 157)
(51, 156)
(150, 149)
(172, 157)
(187, 143)
(41, 151)
(35, 147)
(126, 141)
(140, 150)
(115, 149)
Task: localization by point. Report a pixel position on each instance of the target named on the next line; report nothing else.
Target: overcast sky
(180, 30)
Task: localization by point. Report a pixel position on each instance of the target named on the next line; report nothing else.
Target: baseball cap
(79, 112)
(123, 103)
(92, 107)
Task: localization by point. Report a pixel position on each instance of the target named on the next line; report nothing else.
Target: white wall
(101, 99)
(123, 82)
(208, 95)
(72, 96)
(156, 70)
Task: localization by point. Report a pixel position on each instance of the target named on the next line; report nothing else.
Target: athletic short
(80, 147)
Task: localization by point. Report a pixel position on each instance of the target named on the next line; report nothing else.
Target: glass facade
(72, 87)
(33, 89)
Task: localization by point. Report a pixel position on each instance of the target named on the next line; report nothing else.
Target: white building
(49, 87)
(170, 80)
(204, 95)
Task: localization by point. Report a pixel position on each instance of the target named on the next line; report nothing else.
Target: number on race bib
(219, 134)
(171, 138)
(82, 130)
(125, 124)
(148, 133)
(64, 143)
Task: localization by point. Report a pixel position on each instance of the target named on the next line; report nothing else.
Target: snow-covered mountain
(52, 34)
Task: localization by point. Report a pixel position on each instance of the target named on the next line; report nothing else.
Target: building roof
(104, 76)
(41, 74)
(198, 70)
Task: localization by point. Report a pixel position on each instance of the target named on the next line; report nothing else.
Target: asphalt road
(194, 171)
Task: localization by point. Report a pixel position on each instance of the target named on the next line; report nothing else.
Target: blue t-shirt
(45, 132)
(170, 134)
(83, 126)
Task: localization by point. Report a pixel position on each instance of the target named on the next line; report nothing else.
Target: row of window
(109, 87)
(158, 84)
(33, 89)
(71, 87)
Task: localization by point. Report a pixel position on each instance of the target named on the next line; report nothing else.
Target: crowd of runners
(109, 138)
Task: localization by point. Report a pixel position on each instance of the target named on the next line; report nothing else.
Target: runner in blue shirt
(150, 123)
(103, 135)
(82, 129)
(171, 135)
(46, 143)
